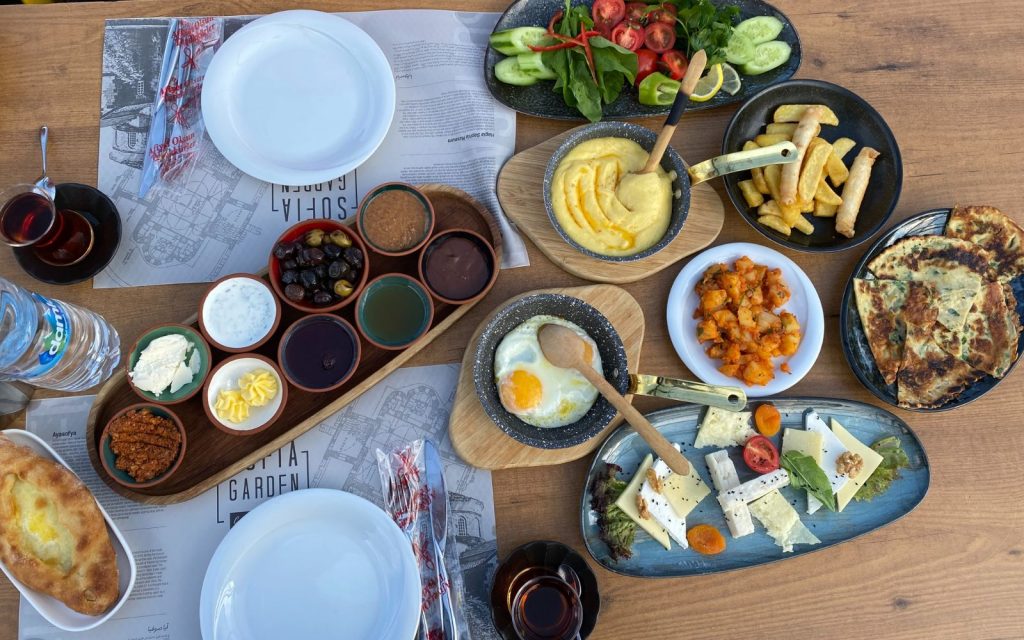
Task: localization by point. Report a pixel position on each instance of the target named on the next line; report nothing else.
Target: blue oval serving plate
(865, 422)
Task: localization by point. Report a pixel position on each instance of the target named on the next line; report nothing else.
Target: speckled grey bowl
(643, 136)
(609, 345)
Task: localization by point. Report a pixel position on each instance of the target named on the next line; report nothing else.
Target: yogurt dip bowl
(239, 313)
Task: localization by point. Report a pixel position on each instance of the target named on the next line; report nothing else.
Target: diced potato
(793, 113)
(825, 194)
(814, 165)
(837, 171)
(707, 330)
(842, 146)
(784, 128)
(755, 372)
(775, 223)
(768, 139)
(804, 226)
(770, 208)
(750, 193)
(824, 210)
(713, 300)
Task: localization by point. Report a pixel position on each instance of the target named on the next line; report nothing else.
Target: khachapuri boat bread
(940, 314)
(53, 537)
(995, 232)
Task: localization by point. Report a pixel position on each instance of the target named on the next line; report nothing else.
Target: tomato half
(665, 13)
(636, 11)
(608, 13)
(761, 455)
(646, 64)
(659, 37)
(628, 35)
(674, 63)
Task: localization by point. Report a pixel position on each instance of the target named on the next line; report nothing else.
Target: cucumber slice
(533, 64)
(508, 71)
(760, 29)
(740, 49)
(512, 42)
(767, 56)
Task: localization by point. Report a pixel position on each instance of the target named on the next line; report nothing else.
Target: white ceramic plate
(298, 97)
(56, 612)
(312, 564)
(803, 303)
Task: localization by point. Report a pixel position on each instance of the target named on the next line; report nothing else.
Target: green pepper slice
(658, 90)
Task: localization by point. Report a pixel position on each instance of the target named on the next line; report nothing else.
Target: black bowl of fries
(847, 182)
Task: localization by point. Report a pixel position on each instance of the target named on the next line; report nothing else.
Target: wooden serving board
(482, 443)
(212, 455)
(520, 193)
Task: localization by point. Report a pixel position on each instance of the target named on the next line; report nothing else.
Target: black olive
(337, 269)
(301, 261)
(332, 251)
(308, 279)
(321, 271)
(353, 256)
(283, 250)
(294, 292)
(322, 298)
(289, 264)
(313, 256)
(290, 276)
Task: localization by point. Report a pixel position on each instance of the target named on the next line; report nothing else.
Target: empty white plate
(312, 564)
(298, 97)
(804, 303)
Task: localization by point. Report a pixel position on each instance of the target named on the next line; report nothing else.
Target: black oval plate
(858, 121)
(541, 100)
(855, 343)
(865, 422)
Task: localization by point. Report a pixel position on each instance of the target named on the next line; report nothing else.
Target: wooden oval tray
(213, 456)
(519, 191)
(482, 443)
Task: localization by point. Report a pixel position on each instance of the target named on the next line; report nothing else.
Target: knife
(725, 397)
(439, 523)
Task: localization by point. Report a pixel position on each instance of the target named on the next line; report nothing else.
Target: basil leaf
(804, 473)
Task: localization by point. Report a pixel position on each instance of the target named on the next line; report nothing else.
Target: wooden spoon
(689, 81)
(563, 348)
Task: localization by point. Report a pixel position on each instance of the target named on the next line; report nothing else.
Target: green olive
(343, 288)
(341, 238)
(315, 238)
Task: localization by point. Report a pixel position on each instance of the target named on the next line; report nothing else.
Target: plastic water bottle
(53, 344)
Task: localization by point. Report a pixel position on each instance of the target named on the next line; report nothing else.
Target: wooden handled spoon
(563, 348)
(690, 79)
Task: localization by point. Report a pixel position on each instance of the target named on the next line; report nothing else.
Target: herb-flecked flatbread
(880, 305)
(989, 337)
(995, 232)
(929, 377)
(947, 263)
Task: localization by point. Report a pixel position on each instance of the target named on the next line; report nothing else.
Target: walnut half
(652, 479)
(641, 506)
(849, 463)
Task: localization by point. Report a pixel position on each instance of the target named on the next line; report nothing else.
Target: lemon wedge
(731, 79)
(709, 85)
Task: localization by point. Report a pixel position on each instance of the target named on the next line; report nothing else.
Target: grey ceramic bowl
(645, 138)
(609, 345)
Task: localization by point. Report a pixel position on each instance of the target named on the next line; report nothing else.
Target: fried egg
(533, 389)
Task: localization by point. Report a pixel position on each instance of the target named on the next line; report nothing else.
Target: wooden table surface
(946, 74)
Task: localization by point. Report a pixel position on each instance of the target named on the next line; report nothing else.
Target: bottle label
(55, 342)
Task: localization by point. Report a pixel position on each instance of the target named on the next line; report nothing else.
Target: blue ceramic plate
(855, 342)
(679, 424)
(541, 100)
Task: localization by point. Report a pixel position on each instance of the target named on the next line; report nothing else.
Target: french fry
(770, 208)
(802, 138)
(824, 210)
(775, 223)
(806, 206)
(842, 146)
(826, 195)
(791, 213)
(794, 112)
(837, 171)
(784, 128)
(768, 139)
(814, 164)
(756, 174)
(804, 226)
(772, 175)
(853, 192)
(750, 193)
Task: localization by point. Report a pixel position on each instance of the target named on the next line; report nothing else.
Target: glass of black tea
(29, 218)
(547, 607)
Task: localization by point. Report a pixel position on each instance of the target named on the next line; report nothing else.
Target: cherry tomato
(628, 35)
(674, 63)
(608, 13)
(636, 11)
(659, 37)
(761, 455)
(665, 13)
(646, 64)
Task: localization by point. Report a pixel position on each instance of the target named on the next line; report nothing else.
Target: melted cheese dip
(602, 207)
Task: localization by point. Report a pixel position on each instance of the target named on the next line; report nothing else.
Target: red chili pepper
(590, 56)
(555, 18)
(567, 44)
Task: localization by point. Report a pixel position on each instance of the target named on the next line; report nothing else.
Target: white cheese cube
(157, 364)
(871, 461)
(781, 521)
(831, 449)
(753, 489)
(724, 477)
(627, 502)
(721, 428)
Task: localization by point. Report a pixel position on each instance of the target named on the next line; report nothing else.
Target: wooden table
(946, 74)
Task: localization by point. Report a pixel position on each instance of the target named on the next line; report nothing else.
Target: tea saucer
(101, 213)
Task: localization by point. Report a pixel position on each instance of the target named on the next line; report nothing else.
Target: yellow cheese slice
(805, 442)
(684, 493)
(627, 502)
(871, 461)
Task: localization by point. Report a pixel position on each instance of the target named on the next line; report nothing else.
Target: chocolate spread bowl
(458, 269)
(593, 322)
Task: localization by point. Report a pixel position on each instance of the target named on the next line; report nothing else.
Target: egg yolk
(520, 391)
